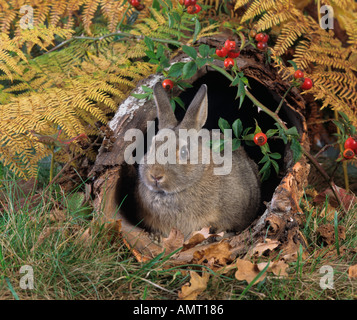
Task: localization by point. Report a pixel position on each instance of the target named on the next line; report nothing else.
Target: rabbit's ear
(197, 112)
(165, 113)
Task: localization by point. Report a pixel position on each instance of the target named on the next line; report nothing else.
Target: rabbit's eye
(184, 153)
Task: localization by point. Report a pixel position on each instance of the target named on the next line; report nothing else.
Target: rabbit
(189, 196)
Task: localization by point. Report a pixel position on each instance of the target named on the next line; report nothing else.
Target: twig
(325, 176)
(323, 149)
(282, 99)
(125, 35)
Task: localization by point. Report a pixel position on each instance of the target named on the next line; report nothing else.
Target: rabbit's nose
(157, 178)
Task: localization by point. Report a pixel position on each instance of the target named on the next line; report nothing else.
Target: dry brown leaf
(260, 248)
(247, 271)
(327, 233)
(200, 236)
(217, 253)
(173, 241)
(196, 286)
(352, 271)
(275, 223)
(193, 241)
(277, 267)
(348, 199)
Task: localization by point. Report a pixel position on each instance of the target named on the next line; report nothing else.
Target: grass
(67, 267)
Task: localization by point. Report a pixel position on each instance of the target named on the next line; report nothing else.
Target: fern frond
(257, 8)
(90, 8)
(290, 32)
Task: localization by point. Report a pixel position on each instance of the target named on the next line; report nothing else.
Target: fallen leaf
(200, 236)
(352, 271)
(277, 267)
(275, 223)
(348, 199)
(173, 241)
(196, 286)
(327, 233)
(216, 254)
(193, 241)
(260, 248)
(328, 212)
(248, 271)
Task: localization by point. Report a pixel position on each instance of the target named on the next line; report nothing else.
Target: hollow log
(113, 179)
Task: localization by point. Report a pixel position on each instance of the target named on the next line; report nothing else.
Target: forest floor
(45, 238)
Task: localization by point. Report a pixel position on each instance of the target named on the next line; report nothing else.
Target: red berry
(167, 84)
(189, 3)
(135, 3)
(198, 8)
(230, 45)
(259, 37)
(348, 154)
(351, 143)
(191, 9)
(181, 2)
(262, 45)
(222, 52)
(307, 84)
(265, 38)
(233, 54)
(228, 63)
(298, 74)
(260, 139)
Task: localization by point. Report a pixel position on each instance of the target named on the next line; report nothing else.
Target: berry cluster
(191, 5)
(306, 82)
(350, 148)
(137, 4)
(261, 38)
(229, 50)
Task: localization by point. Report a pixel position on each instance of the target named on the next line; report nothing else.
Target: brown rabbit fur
(188, 196)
